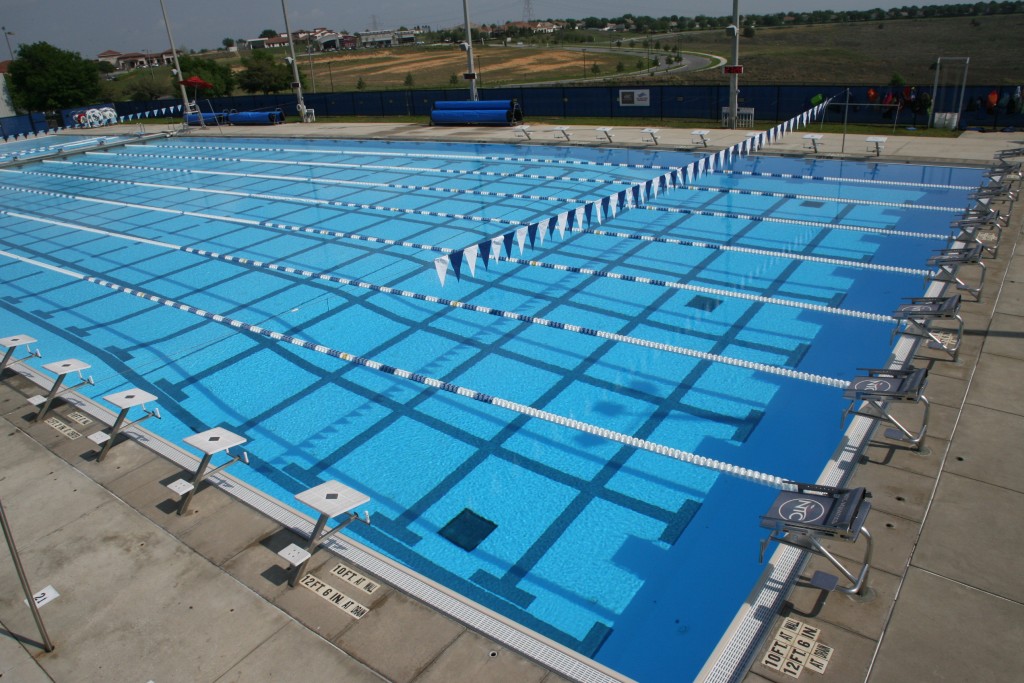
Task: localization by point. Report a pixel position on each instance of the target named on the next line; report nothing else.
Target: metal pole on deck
(29, 598)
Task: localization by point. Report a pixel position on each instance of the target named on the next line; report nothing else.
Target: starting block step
(295, 555)
(825, 581)
(99, 438)
(37, 400)
(180, 486)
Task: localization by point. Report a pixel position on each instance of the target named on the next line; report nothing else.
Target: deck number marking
(80, 418)
(355, 578)
(62, 428)
(48, 594)
(795, 647)
(334, 596)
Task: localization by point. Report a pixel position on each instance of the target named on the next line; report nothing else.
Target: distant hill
(869, 53)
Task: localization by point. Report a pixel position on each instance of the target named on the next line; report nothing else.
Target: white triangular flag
(469, 255)
(441, 266)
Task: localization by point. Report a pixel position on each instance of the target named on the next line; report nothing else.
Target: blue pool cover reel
(502, 112)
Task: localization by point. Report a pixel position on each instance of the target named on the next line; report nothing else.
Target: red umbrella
(195, 82)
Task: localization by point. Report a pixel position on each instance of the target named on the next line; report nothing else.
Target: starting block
(562, 132)
(876, 144)
(813, 141)
(949, 262)
(700, 136)
(920, 312)
(650, 135)
(805, 517)
(604, 134)
(522, 132)
(880, 387)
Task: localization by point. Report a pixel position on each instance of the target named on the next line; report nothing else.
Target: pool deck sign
(355, 578)
(45, 596)
(334, 596)
(795, 647)
(635, 98)
(63, 428)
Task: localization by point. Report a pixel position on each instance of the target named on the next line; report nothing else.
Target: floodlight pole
(29, 598)
(300, 106)
(470, 74)
(734, 78)
(7, 37)
(177, 68)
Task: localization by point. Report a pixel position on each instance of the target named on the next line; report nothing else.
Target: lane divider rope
(793, 221)
(569, 327)
(839, 179)
(578, 425)
(817, 198)
(447, 250)
(414, 155)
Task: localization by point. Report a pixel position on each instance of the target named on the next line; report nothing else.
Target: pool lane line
(793, 221)
(382, 167)
(770, 480)
(310, 201)
(325, 181)
(409, 155)
(817, 198)
(384, 289)
(840, 179)
(649, 207)
(846, 263)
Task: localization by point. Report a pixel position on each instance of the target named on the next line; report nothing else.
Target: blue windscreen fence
(985, 107)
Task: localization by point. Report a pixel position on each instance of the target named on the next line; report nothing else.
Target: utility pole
(300, 106)
(734, 77)
(470, 73)
(177, 70)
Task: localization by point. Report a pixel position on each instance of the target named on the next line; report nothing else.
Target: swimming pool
(746, 299)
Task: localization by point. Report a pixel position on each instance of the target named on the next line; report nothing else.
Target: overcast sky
(92, 26)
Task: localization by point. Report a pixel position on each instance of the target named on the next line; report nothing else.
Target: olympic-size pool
(748, 299)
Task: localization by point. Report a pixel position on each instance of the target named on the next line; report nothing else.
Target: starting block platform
(876, 389)
(920, 312)
(812, 514)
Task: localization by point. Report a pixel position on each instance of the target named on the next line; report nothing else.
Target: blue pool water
(633, 558)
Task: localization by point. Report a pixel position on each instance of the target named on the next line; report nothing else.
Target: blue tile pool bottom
(632, 558)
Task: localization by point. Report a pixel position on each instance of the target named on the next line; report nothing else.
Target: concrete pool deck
(147, 595)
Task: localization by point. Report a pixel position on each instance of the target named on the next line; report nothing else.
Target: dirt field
(388, 68)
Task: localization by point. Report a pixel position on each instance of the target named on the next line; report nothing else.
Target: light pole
(734, 77)
(300, 106)
(309, 54)
(7, 37)
(177, 68)
(470, 74)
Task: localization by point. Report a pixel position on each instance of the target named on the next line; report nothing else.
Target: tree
(409, 80)
(268, 33)
(213, 72)
(263, 72)
(44, 78)
(361, 84)
(228, 42)
(749, 31)
(453, 79)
